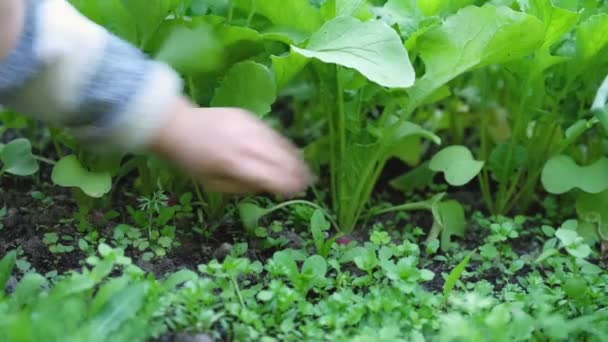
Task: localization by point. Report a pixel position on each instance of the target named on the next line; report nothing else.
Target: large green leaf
(287, 67)
(403, 13)
(118, 311)
(337, 8)
(516, 157)
(561, 174)
(372, 48)
(558, 21)
(247, 85)
(472, 38)
(17, 158)
(191, 48)
(68, 172)
(148, 14)
(457, 164)
(591, 37)
(297, 15)
(435, 7)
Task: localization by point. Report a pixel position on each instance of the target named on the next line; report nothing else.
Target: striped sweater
(69, 71)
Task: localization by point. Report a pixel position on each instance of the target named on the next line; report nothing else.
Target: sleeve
(67, 70)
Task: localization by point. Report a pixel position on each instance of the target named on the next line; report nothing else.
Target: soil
(28, 219)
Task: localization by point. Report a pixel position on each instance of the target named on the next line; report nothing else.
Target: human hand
(230, 150)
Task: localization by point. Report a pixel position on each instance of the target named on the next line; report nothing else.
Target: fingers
(259, 175)
(281, 161)
(232, 151)
(229, 186)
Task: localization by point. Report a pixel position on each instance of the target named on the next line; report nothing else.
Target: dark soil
(29, 219)
(26, 222)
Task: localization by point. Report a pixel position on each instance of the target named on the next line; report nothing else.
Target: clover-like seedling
(457, 164)
(573, 243)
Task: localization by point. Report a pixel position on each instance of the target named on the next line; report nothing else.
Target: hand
(231, 151)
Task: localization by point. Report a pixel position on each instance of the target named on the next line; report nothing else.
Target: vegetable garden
(460, 149)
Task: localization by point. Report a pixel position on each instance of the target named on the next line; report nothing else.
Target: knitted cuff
(69, 71)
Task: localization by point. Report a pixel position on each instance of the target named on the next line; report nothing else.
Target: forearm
(11, 22)
(63, 69)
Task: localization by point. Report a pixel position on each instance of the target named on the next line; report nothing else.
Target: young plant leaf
(592, 209)
(247, 85)
(365, 258)
(6, 268)
(416, 179)
(372, 48)
(561, 174)
(573, 243)
(453, 221)
(68, 172)
(177, 278)
(286, 264)
(250, 214)
(453, 277)
(17, 158)
(457, 164)
(318, 226)
(498, 160)
(28, 289)
(122, 307)
(316, 267)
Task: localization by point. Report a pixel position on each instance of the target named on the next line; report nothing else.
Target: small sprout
(380, 238)
(575, 245)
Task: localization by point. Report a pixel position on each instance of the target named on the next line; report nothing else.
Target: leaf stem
(230, 12)
(420, 205)
(238, 291)
(304, 202)
(43, 159)
(252, 11)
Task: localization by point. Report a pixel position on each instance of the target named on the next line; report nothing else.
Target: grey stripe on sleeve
(22, 64)
(119, 75)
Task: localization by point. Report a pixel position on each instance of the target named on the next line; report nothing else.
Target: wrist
(164, 139)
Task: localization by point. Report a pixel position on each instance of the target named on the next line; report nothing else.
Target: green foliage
(561, 174)
(457, 46)
(505, 91)
(453, 277)
(457, 164)
(253, 83)
(68, 172)
(85, 306)
(191, 50)
(372, 48)
(573, 243)
(17, 158)
(318, 228)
